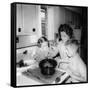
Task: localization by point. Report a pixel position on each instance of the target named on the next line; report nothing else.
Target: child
(40, 52)
(42, 49)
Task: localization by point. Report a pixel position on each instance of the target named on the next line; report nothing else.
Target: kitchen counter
(25, 79)
(22, 80)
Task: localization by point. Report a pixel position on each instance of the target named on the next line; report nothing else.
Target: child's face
(44, 45)
(64, 36)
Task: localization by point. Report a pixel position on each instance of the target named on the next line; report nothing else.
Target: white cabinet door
(19, 19)
(27, 19)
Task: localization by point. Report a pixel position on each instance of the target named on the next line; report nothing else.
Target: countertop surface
(24, 78)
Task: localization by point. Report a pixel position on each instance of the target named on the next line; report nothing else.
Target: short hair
(41, 40)
(67, 29)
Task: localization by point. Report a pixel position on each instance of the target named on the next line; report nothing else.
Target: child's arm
(54, 51)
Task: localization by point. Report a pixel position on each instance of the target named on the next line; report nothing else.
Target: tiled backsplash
(25, 53)
(26, 40)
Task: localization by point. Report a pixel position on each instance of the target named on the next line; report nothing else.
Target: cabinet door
(29, 19)
(19, 19)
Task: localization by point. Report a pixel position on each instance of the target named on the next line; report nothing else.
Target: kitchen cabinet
(28, 22)
(19, 19)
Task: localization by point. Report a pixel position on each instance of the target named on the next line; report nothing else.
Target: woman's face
(64, 36)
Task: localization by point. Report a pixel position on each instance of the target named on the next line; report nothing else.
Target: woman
(76, 67)
(65, 35)
(65, 60)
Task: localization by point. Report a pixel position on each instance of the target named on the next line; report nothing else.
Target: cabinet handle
(25, 52)
(19, 29)
(17, 39)
(33, 29)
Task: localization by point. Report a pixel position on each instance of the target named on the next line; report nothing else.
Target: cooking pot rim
(51, 61)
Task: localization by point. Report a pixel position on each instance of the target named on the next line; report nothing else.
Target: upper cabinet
(19, 19)
(28, 23)
(27, 19)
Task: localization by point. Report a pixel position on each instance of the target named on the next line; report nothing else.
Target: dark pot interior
(47, 67)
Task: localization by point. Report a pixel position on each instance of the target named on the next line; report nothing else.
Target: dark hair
(75, 42)
(67, 29)
(41, 40)
(72, 41)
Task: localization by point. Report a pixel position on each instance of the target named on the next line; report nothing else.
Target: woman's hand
(75, 75)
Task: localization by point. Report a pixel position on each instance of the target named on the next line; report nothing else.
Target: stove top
(38, 76)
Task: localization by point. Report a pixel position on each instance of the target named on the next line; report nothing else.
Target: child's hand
(29, 62)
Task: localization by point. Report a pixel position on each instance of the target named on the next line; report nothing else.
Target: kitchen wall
(26, 40)
(59, 17)
(50, 23)
(56, 16)
(25, 53)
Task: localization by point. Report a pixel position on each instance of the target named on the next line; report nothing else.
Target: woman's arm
(78, 77)
(75, 75)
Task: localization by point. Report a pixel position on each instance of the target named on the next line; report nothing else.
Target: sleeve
(82, 70)
(70, 51)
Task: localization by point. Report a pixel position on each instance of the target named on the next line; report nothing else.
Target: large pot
(47, 67)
